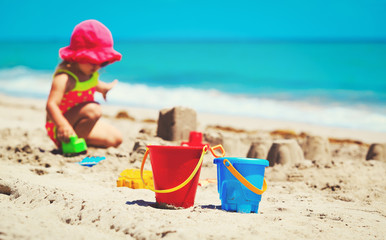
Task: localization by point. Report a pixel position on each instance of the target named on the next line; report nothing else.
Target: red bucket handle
(204, 150)
(179, 186)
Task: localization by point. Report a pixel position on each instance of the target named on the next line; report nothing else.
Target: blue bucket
(240, 183)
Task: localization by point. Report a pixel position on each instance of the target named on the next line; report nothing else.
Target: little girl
(71, 108)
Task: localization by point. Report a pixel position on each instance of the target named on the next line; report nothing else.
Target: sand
(44, 195)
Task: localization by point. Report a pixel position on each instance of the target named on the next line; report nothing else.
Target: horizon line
(213, 40)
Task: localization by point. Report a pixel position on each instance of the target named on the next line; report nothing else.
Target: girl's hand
(107, 87)
(63, 133)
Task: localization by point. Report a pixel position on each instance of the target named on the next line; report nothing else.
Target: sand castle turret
(176, 123)
(317, 149)
(377, 151)
(285, 151)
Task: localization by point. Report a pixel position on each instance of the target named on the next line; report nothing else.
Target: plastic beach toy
(132, 178)
(207, 181)
(74, 146)
(240, 183)
(195, 140)
(91, 161)
(176, 171)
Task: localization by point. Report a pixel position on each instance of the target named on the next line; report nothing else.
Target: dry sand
(44, 195)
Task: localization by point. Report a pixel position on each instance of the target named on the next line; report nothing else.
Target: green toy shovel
(74, 146)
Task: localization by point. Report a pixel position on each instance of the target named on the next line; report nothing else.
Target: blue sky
(198, 19)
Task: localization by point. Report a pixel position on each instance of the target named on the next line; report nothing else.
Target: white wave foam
(22, 81)
(25, 82)
(212, 101)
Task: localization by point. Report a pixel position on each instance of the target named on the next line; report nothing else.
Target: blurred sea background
(333, 80)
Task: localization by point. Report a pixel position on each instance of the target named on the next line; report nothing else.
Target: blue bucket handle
(242, 179)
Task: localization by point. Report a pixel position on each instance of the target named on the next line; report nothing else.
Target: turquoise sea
(335, 84)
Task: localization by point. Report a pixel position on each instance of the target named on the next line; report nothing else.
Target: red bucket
(176, 171)
(172, 167)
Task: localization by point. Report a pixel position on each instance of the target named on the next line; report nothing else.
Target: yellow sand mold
(132, 178)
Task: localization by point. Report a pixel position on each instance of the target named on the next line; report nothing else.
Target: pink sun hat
(91, 42)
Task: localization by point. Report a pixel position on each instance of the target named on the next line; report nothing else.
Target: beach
(44, 195)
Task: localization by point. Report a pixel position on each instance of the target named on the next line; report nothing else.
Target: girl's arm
(64, 129)
(104, 88)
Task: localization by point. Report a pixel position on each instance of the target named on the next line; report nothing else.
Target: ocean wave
(212, 101)
(22, 81)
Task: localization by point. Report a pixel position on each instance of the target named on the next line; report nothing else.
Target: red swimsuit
(82, 92)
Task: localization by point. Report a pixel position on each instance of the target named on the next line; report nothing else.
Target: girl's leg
(104, 135)
(85, 120)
